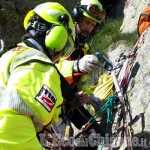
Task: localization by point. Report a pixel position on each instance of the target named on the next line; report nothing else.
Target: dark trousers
(80, 117)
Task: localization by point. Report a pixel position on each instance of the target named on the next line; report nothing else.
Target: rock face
(138, 93)
(132, 11)
(114, 8)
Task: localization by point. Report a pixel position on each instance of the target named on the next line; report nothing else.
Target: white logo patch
(46, 97)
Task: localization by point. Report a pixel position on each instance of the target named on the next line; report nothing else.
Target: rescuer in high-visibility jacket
(31, 87)
(87, 16)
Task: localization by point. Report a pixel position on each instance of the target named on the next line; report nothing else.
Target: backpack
(144, 21)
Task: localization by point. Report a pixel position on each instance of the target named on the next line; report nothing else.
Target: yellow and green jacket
(30, 97)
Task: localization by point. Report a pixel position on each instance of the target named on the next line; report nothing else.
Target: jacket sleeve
(66, 68)
(38, 85)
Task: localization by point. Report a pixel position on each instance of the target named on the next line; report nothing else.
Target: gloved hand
(86, 64)
(95, 102)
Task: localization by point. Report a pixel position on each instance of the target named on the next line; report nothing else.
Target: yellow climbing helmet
(93, 9)
(61, 35)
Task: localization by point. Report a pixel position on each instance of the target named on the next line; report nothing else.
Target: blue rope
(107, 107)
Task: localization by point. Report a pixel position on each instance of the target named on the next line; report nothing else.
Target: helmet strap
(53, 56)
(38, 26)
(96, 28)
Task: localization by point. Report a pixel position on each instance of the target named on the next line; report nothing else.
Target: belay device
(105, 62)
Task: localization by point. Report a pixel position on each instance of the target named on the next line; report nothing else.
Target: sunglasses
(94, 10)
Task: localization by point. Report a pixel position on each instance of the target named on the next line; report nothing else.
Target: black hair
(36, 29)
(40, 23)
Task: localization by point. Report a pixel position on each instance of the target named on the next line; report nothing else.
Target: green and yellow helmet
(60, 37)
(93, 9)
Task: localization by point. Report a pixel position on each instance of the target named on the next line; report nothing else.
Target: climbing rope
(107, 107)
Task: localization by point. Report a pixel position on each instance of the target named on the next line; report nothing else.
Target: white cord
(2, 46)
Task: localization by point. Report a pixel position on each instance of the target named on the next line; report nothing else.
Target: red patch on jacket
(46, 97)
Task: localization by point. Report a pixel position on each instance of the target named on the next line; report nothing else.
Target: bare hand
(84, 97)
